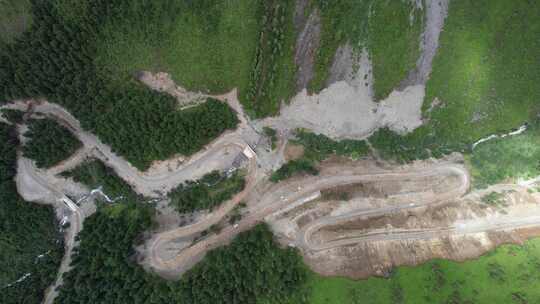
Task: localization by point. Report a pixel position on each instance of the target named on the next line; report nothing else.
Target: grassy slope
(486, 75)
(498, 277)
(486, 64)
(207, 47)
(486, 68)
(393, 42)
(342, 21)
(273, 69)
(15, 17)
(510, 157)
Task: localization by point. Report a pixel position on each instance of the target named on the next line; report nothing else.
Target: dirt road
(283, 195)
(161, 239)
(31, 181)
(76, 221)
(219, 155)
(39, 185)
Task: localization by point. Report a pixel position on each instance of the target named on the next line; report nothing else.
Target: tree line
(49, 142)
(94, 174)
(29, 239)
(252, 268)
(206, 193)
(55, 59)
(297, 166)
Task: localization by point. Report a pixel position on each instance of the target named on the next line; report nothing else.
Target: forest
(30, 242)
(54, 59)
(318, 147)
(49, 142)
(252, 268)
(12, 116)
(298, 166)
(208, 192)
(94, 174)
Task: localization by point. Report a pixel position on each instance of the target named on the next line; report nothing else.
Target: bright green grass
(341, 21)
(510, 157)
(204, 45)
(392, 40)
(486, 76)
(273, 69)
(15, 17)
(500, 277)
(394, 43)
(486, 71)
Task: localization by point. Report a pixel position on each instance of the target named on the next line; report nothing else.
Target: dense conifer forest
(30, 244)
(54, 59)
(206, 193)
(253, 268)
(94, 174)
(49, 143)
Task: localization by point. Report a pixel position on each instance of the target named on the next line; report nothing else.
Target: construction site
(356, 217)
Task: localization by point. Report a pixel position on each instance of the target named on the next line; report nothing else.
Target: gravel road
(219, 155)
(282, 195)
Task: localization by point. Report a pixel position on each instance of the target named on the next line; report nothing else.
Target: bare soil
(363, 259)
(163, 82)
(293, 151)
(346, 109)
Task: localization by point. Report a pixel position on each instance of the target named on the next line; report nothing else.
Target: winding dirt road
(500, 223)
(216, 156)
(161, 239)
(283, 195)
(273, 200)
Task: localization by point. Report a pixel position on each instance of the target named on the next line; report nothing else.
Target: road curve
(503, 224)
(148, 183)
(161, 239)
(280, 196)
(304, 236)
(500, 223)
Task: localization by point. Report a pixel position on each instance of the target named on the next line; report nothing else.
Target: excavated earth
(457, 229)
(354, 219)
